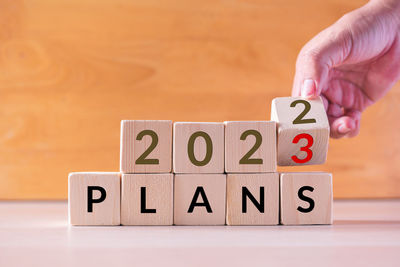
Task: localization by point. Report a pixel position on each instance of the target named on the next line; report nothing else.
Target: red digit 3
(306, 148)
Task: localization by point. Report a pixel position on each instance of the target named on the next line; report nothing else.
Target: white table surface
(365, 233)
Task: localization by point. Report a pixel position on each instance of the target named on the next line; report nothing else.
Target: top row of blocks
(297, 135)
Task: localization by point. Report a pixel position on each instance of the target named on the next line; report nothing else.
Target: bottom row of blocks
(97, 198)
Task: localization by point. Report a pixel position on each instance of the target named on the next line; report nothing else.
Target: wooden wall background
(70, 70)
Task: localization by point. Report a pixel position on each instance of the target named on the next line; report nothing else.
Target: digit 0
(310, 142)
(209, 148)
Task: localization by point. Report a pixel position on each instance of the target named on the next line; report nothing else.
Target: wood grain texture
(71, 70)
(284, 114)
(214, 188)
(137, 140)
(253, 182)
(296, 203)
(159, 196)
(237, 147)
(106, 212)
(207, 149)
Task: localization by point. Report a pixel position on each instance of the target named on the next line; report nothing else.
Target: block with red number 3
(303, 130)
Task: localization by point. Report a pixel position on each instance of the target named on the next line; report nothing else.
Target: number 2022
(300, 120)
(246, 159)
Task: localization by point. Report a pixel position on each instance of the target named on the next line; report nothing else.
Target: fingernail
(343, 129)
(308, 88)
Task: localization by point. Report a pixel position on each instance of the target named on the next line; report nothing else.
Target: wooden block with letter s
(146, 146)
(199, 199)
(250, 146)
(306, 198)
(198, 147)
(147, 199)
(94, 198)
(303, 130)
(252, 199)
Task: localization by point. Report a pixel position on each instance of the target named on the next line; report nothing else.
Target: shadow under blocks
(213, 173)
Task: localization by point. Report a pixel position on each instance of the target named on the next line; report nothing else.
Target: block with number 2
(303, 130)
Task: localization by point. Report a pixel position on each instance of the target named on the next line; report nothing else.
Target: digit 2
(307, 107)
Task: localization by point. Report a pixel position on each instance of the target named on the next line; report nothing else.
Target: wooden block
(250, 146)
(252, 199)
(199, 199)
(147, 199)
(303, 130)
(306, 198)
(146, 146)
(198, 147)
(94, 198)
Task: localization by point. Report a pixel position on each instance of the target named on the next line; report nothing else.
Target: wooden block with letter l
(252, 199)
(146, 146)
(306, 198)
(250, 146)
(147, 199)
(198, 147)
(303, 130)
(94, 198)
(199, 199)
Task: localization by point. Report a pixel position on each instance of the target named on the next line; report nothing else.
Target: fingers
(345, 126)
(314, 62)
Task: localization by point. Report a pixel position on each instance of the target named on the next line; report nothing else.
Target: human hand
(352, 64)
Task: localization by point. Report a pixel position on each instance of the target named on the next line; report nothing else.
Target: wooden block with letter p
(198, 147)
(147, 199)
(199, 199)
(94, 198)
(252, 199)
(306, 198)
(146, 146)
(250, 146)
(303, 130)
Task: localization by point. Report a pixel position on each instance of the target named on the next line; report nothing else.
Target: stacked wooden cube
(223, 173)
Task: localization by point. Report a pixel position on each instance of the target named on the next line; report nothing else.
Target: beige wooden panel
(70, 70)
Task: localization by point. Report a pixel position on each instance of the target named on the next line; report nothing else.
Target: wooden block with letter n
(147, 199)
(94, 198)
(198, 147)
(146, 146)
(306, 198)
(252, 199)
(199, 199)
(250, 146)
(303, 130)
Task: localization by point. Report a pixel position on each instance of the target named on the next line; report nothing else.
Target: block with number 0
(198, 147)
(146, 146)
(303, 130)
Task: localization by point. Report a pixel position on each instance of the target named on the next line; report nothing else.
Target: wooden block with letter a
(306, 198)
(198, 147)
(147, 199)
(94, 198)
(250, 146)
(252, 199)
(146, 146)
(199, 199)
(303, 130)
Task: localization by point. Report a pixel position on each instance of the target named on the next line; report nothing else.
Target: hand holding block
(199, 199)
(94, 198)
(198, 147)
(252, 199)
(250, 146)
(146, 146)
(306, 198)
(303, 130)
(147, 199)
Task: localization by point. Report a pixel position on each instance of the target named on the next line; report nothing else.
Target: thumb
(316, 59)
